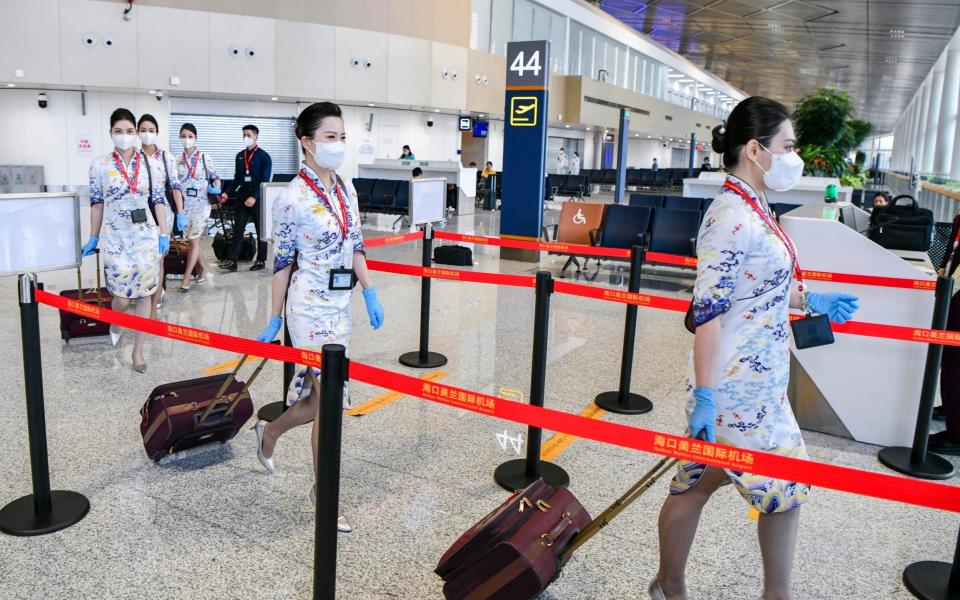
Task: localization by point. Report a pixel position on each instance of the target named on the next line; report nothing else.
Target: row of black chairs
(577, 186)
(675, 202)
(390, 196)
(640, 178)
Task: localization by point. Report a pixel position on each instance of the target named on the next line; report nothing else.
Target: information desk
(451, 170)
(861, 387)
(809, 190)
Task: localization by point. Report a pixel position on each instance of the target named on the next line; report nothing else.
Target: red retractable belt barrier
(560, 247)
(589, 291)
(452, 274)
(392, 239)
(856, 481)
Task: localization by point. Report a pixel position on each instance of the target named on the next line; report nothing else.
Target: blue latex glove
(90, 246)
(704, 415)
(374, 310)
(164, 244)
(839, 307)
(212, 189)
(180, 221)
(268, 334)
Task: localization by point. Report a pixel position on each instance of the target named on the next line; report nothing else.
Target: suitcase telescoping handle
(96, 252)
(603, 519)
(229, 381)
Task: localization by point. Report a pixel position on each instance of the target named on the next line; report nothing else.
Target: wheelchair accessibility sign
(523, 111)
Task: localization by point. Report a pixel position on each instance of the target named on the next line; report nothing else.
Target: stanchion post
(333, 375)
(622, 401)
(518, 474)
(916, 461)
(44, 511)
(934, 580)
(423, 358)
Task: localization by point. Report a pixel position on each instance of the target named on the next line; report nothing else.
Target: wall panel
(242, 74)
(173, 43)
(30, 40)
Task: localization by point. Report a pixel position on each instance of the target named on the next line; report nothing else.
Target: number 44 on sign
(533, 64)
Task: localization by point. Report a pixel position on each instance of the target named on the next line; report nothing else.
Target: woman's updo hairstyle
(122, 114)
(756, 118)
(189, 127)
(310, 118)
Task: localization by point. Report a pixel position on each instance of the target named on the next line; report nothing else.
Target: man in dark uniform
(253, 167)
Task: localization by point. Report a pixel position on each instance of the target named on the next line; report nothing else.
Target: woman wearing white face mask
(316, 222)
(164, 170)
(199, 177)
(739, 368)
(121, 199)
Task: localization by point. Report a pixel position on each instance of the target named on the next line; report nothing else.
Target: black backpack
(902, 225)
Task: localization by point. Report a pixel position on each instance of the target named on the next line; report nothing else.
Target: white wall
(641, 152)
(49, 136)
(495, 144)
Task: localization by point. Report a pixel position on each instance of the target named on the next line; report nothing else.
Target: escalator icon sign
(523, 111)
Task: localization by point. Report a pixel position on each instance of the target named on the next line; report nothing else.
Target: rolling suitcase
(223, 239)
(191, 413)
(516, 551)
(77, 326)
(175, 261)
(460, 256)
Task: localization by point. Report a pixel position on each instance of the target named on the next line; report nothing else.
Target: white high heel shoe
(343, 525)
(266, 462)
(655, 591)
(115, 336)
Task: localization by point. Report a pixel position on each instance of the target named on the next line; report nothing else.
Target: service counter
(464, 177)
(808, 191)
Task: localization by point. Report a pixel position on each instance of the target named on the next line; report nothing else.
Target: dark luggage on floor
(459, 256)
(185, 414)
(175, 262)
(516, 551)
(223, 239)
(902, 225)
(78, 326)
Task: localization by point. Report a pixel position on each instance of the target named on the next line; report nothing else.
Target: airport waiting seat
(682, 203)
(384, 193)
(868, 197)
(282, 177)
(610, 177)
(633, 178)
(857, 198)
(363, 186)
(555, 183)
(646, 178)
(646, 200)
(596, 176)
(402, 200)
(706, 204)
(675, 231)
(624, 226)
(661, 179)
(575, 185)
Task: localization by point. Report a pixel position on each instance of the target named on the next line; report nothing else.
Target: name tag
(138, 215)
(342, 279)
(248, 179)
(192, 192)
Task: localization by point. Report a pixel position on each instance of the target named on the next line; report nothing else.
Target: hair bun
(719, 143)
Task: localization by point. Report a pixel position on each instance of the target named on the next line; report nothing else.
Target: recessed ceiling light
(370, 104)
(897, 34)
(274, 98)
(588, 129)
(567, 126)
(11, 85)
(436, 110)
(890, 60)
(152, 92)
(481, 116)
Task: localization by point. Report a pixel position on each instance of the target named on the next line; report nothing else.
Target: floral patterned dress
(744, 278)
(195, 171)
(165, 168)
(130, 252)
(305, 230)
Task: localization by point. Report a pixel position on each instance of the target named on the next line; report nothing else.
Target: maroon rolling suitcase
(175, 261)
(516, 551)
(185, 414)
(78, 326)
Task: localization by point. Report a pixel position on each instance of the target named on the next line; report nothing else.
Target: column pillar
(933, 117)
(949, 104)
(921, 136)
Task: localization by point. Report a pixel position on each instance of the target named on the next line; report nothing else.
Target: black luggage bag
(459, 256)
(902, 225)
(224, 238)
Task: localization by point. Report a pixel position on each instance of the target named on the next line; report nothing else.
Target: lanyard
(123, 171)
(773, 225)
(191, 171)
(249, 159)
(342, 222)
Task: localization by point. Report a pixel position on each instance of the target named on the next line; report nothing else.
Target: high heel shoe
(140, 368)
(114, 336)
(162, 294)
(266, 462)
(343, 525)
(655, 591)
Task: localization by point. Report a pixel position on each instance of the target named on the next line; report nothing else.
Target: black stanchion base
(898, 459)
(635, 404)
(512, 475)
(270, 412)
(19, 517)
(928, 580)
(429, 360)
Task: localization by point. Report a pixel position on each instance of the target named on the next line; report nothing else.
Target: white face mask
(329, 155)
(124, 142)
(785, 171)
(248, 141)
(148, 138)
(188, 142)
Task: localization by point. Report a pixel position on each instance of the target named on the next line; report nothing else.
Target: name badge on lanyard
(340, 279)
(247, 161)
(138, 215)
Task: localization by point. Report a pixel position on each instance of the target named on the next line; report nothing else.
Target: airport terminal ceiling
(878, 50)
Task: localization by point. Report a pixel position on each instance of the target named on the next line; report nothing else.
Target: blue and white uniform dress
(744, 278)
(130, 253)
(163, 164)
(195, 171)
(305, 229)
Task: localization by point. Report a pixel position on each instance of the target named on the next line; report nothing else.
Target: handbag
(902, 226)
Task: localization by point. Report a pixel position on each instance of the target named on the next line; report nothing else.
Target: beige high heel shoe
(266, 462)
(343, 525)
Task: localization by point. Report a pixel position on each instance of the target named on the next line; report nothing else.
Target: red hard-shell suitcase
(185, 414)
(78, 326)
(516, 551)
(175, 261)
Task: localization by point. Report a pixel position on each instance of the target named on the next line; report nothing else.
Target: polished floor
(214, 524)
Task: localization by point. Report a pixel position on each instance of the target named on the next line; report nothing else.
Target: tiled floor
(415, 474)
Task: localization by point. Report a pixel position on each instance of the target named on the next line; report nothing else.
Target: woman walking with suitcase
(121, 199)
(739, 368)
(199, 178)
(316, 223)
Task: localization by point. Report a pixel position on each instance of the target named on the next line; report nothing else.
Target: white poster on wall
(83, 144)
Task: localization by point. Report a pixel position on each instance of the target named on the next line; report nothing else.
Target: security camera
(477, 79)
(455, 75)
(89, 39)
(235, 51)
(368, 64)
(356, 62)
(42, 100)
(251, 52)
(159, 96)
(108, 42)
(429, 122)
(444, 73)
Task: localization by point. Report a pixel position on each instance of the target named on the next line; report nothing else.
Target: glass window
(501, 25)
(480, 25)
(558, 41)
(573, 58)
(523, 21)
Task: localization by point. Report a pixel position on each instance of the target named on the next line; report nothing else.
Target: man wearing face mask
(253, 167)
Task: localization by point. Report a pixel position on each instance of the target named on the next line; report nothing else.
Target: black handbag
(459, 256)
(902, 225)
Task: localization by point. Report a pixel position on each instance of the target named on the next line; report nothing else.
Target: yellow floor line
(227, 366)
(559, 441)
(385, 399)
